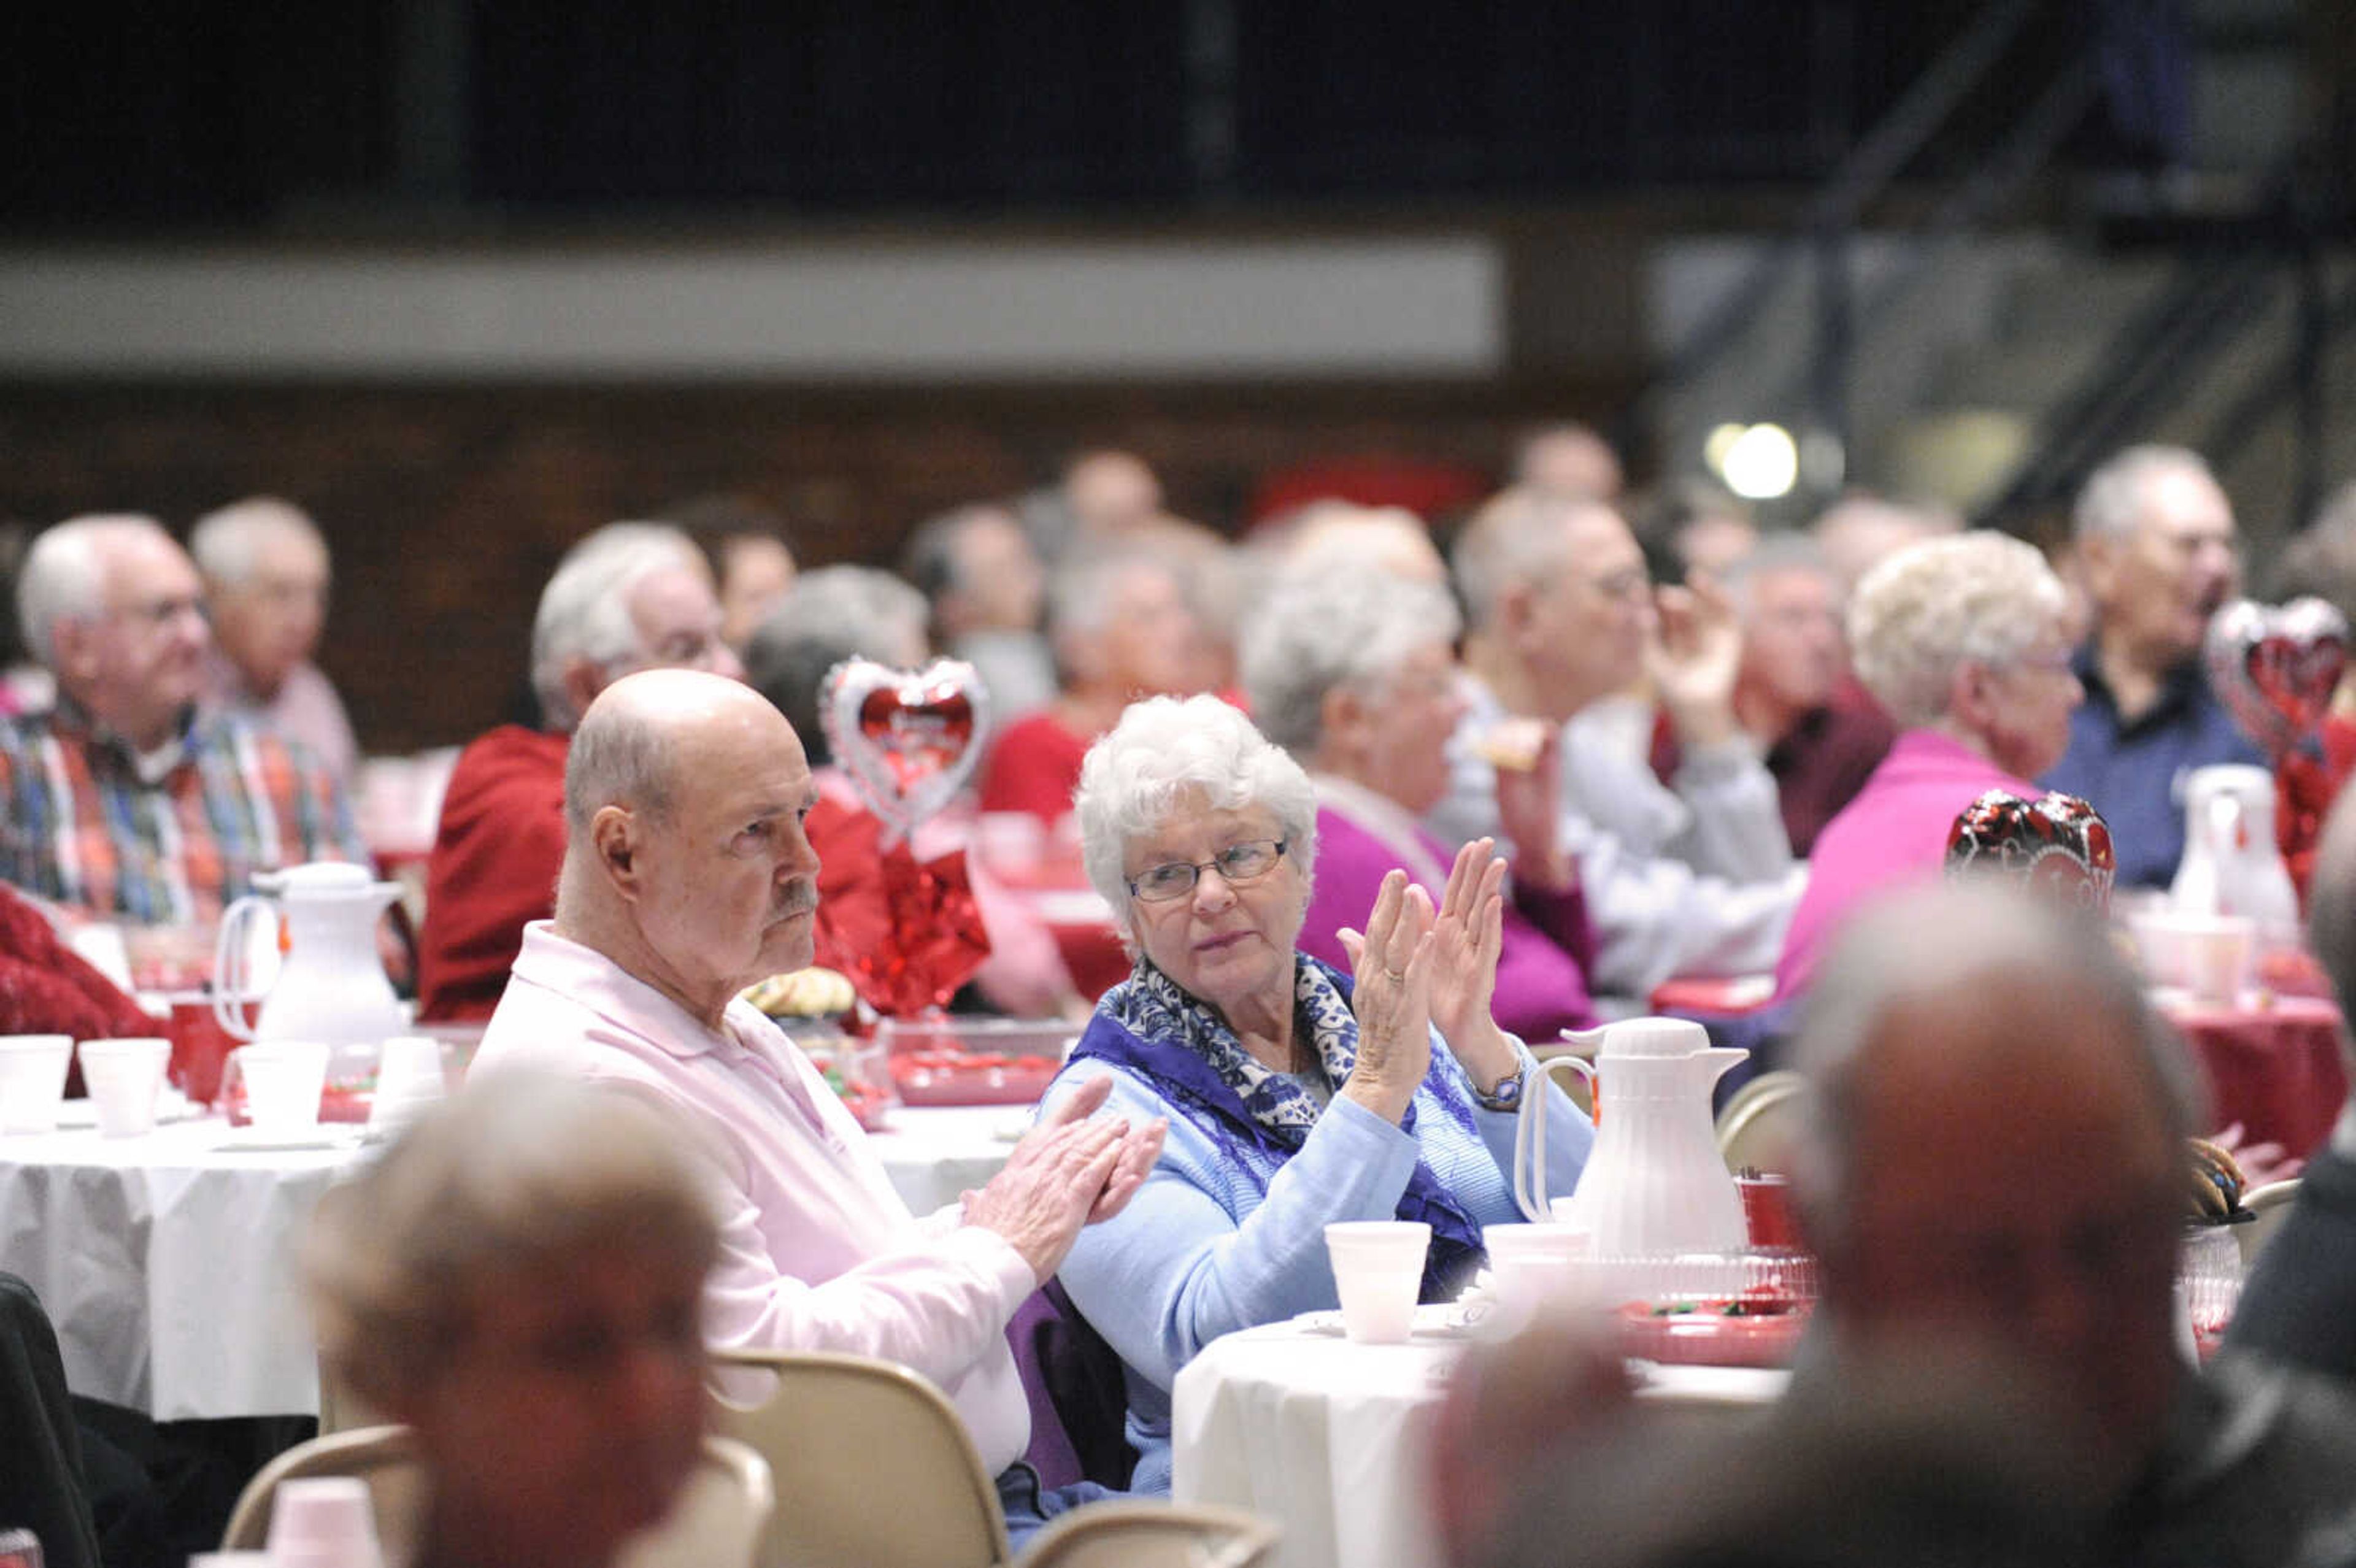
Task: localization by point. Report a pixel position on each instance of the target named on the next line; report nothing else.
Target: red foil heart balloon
(2058, 848)
(906, 739)
(2276, 669)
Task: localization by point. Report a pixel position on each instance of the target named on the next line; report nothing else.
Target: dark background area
(1568, 130)
(229, 116)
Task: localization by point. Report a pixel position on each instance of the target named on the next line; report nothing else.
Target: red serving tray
(1707, 1337)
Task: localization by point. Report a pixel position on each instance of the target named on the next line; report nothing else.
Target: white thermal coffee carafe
(1655, 1183)
(2232, 864)
(331, 984)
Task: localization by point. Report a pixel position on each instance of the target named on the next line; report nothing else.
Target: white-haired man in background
(1821, 736)
(123, 801)
(1693, 879)
(630, 596)
(266, 573)
(2157, 553)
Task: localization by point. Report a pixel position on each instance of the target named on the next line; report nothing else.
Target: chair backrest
(1761, 1125)
(1153, 1535)
(716, 1522)
(2271, 1204)
(382, 1457)
(873, 1465)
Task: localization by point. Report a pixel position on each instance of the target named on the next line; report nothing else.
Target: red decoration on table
(959, 1077)
(2058, 848)
(2276, 669)
(907, 738)
(907, 933)
(1760, 1328)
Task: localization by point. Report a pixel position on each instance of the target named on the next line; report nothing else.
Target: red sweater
(493, 870)
(1033, 766)
(46, 987)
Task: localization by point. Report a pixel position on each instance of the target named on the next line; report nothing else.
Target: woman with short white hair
(1352, 670)
(1966, 641)
(1296, 1094)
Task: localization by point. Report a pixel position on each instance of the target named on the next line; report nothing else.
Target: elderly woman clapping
(1350, 669)
(1297, 1095)
(1965, 642)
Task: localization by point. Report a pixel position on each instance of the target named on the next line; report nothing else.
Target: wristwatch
(1506, 1095)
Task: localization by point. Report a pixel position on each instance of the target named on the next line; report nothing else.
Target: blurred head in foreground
(1997, 1121)
(519, 1281)
(1938, 1460)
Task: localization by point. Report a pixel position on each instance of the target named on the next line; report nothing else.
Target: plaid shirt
(82, 830)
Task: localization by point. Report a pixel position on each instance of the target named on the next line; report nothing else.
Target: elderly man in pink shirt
(687, 875)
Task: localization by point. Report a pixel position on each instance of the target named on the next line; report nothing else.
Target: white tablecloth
(1330, 1439)
(935, 1152)
(168, 1265)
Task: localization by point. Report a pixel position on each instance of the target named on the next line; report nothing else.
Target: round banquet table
(933, 1153)
(2275, 1068)
(167, 1262)
(1330, 1438)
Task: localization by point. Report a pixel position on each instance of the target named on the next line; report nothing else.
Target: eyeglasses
(1244, 862)
(1625, 585)
(155, 615)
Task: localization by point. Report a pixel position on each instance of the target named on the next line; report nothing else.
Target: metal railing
(2160, 356)
(1819, 239)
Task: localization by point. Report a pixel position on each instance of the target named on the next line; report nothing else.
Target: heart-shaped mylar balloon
(907, 738)
(2276, 668)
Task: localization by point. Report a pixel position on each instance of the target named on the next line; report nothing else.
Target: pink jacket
(1895, 831)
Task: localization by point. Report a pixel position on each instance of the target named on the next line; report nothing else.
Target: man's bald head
(628, 749)
(686, 863)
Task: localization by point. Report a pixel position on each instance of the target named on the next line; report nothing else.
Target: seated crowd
(1370, 822)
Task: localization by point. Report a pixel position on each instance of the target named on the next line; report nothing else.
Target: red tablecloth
(2277, 1070)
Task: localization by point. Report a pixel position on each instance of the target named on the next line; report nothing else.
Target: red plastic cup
(1767, 1210)
(200, 1046)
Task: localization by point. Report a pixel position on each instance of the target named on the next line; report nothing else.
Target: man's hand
(1692, 659)
(1067, 1171)
(1527, 801)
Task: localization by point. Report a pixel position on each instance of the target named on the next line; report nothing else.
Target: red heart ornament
(2276, 669)
(907, 738)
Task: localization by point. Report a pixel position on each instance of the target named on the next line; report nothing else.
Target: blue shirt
(2132, 771)
(1226, 1238)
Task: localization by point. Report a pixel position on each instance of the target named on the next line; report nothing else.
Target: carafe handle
(1529, 1138)
(232, 973)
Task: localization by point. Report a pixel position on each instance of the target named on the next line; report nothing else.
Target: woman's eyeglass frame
(1173, 880)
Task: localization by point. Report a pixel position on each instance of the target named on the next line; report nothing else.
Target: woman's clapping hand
(1391, 967)
(1465, 941)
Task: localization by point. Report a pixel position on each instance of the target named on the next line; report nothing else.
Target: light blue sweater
(1210, 1245)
